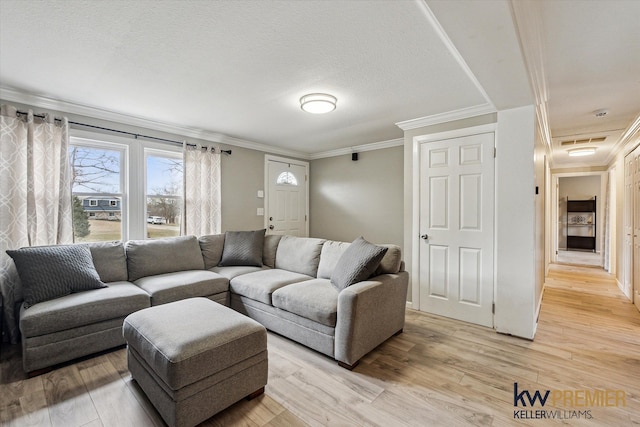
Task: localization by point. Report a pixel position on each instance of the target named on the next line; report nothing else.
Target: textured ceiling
(238, 68)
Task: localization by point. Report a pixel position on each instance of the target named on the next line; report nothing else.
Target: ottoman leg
(255, 394)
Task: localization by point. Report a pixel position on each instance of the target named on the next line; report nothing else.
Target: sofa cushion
(48, 272)
(299, 254)
(211, 247)
(168, 287)
(315, 299)
(236, 270)
(391, 261)
(116, 300)
(159, 256)
(358, 262)
(331, 253)
(183, 350)
(271, 242)
(110, 260)
(243, 248)
(261, 284)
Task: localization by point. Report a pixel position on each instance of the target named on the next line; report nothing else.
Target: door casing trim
(415, 235)
(271, 158)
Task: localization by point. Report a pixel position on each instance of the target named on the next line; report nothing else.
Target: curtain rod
(135, 135)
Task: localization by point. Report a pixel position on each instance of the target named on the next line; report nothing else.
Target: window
(286, 178)
(164, 182)
(123, 188)
(97, 180)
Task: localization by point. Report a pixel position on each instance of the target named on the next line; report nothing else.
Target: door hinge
(493, 308)
(305, 178)
(305, 218)
(495, 151)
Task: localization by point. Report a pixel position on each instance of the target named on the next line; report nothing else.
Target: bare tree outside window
(97, 193)
(164, 195)
(94, 170)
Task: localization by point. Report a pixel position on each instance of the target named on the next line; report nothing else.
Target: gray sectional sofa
(288, 290)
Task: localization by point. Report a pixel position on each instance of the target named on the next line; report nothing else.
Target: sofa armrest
(369, 313)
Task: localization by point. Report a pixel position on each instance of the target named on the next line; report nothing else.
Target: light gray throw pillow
(243, 248)
(49, 272)
(358, 262)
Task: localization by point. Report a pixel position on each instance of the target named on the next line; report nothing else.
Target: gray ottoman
(193, 358)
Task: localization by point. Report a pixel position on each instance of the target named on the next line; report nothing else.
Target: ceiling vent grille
(583, 141)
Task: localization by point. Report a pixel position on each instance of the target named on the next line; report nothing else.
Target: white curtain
(202, 200)
(35, 194)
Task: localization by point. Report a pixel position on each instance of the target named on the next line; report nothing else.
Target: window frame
(81, 139)
(133, 174)
(150, 150)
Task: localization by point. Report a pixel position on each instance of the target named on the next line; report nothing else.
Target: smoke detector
(601, 112)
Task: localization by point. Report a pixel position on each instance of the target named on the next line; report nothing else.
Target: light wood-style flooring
(439, 372)
(583, 258)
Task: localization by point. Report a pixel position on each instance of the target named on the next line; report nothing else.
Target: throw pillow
(49, 272)
(357, 263)
(243, 248)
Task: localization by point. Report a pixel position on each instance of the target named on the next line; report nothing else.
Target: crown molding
(528, 22)
(630, 136)
(449, 116)
(462, 113)
(444, 38)
(358, 149)
(12, 95)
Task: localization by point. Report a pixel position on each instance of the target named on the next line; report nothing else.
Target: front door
(287, 201)
(457, 228)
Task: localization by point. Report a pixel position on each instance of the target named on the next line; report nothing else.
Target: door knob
(271, 227)
(424, 236)
(270, 218)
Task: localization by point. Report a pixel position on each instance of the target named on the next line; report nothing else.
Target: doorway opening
(579, 235)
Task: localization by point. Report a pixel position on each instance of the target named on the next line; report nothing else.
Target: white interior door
(457, 228)
(636, 226)
(627, 220)
(287, 200)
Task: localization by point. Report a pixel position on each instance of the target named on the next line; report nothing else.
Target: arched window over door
(287, 178)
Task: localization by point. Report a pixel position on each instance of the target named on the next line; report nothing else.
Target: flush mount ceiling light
(318, 103)
(584, 151)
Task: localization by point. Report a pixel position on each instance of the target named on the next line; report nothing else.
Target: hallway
(585, 314)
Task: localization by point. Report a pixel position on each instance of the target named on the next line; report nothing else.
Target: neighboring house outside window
(103, 208)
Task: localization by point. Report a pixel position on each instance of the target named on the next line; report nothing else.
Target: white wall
(516, 243)
(358, 198)
(542, 216)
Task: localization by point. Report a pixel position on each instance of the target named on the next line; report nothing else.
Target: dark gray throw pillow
(358, 262)
(243, 248)
(49, 272)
